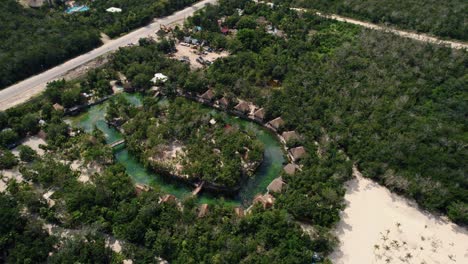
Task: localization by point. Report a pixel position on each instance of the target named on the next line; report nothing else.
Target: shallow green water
(268, 170)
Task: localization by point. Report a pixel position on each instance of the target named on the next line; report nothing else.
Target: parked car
(201, 60)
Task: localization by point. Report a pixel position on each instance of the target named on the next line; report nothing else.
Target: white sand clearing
(6, 175)
(85, 171)
(381, 227)
(47, 196)
(3, 185)
(33, 142)
(114, 244)
(191, 54)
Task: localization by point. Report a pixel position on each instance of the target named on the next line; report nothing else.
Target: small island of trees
(185, 140)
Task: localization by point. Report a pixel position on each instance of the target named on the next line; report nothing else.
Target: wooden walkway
(198, 189)
(117, 143)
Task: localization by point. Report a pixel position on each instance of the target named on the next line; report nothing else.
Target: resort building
(141, 188)
(295, 154)
(35, 3)
(290, 169)
(58, 107)
(276, 185)
(168, 198)
(208, 96)
(266, 200)
(223, 103)
(242, 108)
(288, 136)
(239, 212)
(276, 124)
(259, 115)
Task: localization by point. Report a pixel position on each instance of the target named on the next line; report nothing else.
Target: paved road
(24, 90)
(401, 33)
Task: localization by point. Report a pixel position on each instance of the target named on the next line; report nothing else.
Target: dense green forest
(441, 18)
(149, 228)
(34, 40)
(395, 107)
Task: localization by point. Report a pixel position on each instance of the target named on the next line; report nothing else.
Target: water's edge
(268, 170)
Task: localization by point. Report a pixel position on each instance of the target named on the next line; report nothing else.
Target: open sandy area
(6, 175)
(381, 227)
(85, 171)
(33, 142)
(192, 54)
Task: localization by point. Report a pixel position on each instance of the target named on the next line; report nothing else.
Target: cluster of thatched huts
(250, 111)
(257, 114)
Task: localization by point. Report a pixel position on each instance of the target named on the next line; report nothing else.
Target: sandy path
(378, 225)
(406, 34)
(26, 89)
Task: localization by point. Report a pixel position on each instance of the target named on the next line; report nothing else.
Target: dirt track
(401, 33)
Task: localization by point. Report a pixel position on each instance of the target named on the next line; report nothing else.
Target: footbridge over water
(117, 143)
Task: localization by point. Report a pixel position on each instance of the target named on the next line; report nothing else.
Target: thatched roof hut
(239, 212)
(290, 135)
(209, 95)
(243, 107)
(296, 153)
(223, 102)
(58, 107)
(276, 185)
(168, 198)
(35, 3)
(290, 169)
(266, 200)
(259, 115)
(140, 188)
(276, 123)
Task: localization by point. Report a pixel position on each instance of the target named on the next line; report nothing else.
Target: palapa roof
(260, 113)
(140, 188)
(297, 153)
(208, 95)
(290, 135)
(223, 101)
(58, 107)
(276, 123)
(35, 3)
(266, 200)
(167, 198)
(243, 106)
(290, 169)
(203, 210)
(276, 185)
(239, 211)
